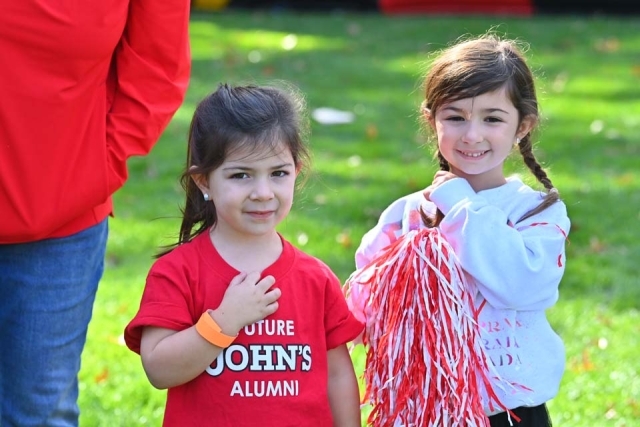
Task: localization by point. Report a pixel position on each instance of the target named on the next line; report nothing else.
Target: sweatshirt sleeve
(396, 220)
(400, 217)
(148, 80)
(515, 266)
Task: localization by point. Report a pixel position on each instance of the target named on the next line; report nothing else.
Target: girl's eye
(240, 175)
(493, 119)
(280, 174)
(455, 118)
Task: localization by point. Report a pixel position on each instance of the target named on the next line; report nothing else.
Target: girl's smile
(260, 214)
(474, 154)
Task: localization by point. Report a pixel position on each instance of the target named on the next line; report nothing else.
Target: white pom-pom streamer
(425, 362)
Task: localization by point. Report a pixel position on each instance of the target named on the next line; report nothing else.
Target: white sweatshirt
(516, 267)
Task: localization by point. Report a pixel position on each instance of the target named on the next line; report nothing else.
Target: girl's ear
(428, 117)
(200, 180)
(526, 125)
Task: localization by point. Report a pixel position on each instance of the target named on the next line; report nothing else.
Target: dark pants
(536, 416)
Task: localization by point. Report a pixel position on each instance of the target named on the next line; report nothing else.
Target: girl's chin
(468, 172)
(470, 169)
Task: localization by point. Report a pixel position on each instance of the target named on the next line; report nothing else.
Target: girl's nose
(262, 190)
(472, 134)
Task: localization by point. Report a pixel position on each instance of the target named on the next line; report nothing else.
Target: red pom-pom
(425, 362)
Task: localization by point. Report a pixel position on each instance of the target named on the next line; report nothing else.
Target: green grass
(588, 72)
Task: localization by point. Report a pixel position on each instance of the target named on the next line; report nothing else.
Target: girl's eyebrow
(245, 168)
(486, 110)
(284, 165)
(494, 110)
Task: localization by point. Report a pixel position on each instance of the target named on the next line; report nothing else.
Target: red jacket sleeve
(148, 79)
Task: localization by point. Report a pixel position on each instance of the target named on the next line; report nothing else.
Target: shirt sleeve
(515, 266)
(164, 304)
(147, 82)
(341, 326)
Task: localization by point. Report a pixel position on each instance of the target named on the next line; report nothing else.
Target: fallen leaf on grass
(611, 414)
(610, 44)
(596, 245)
(583, 364)
(635, 407)
(344, 240)
(625, 179)
(605, 320)
(372, 131)
(102, 376)
(413, 184)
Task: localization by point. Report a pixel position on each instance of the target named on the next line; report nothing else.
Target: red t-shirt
(275, 372)
(84, 86)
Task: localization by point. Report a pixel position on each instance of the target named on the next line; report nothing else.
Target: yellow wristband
(210, 331)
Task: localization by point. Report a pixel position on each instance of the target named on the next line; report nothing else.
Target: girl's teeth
(473, 154)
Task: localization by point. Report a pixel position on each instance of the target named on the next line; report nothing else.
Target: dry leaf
(102, 376)
(372, 131)
(625, 179)
(344, 240)
(611, 44)
(611, 414)
(596, 245)
(586, 364)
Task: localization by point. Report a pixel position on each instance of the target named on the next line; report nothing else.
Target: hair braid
(532, 163)
(541, 175)
(435, 221)
(444, 164)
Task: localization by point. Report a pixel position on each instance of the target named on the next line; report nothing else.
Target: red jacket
(84, 85)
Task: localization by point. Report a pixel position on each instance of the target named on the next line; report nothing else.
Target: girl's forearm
(344, 396)
(176, 357)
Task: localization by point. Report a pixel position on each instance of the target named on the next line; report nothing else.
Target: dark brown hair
(477, 66)
(237, 118)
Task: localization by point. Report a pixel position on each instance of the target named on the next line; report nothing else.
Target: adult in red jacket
(84, 86)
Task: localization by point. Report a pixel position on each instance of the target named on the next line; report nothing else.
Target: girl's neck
(247, 253)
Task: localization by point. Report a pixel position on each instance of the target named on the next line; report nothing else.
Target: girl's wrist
(447, 195)
(208, 329)
(227, 325)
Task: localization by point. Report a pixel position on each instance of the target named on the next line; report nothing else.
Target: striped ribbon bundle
(425, 361)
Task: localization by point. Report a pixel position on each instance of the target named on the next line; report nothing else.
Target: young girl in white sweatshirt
(509, 238)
